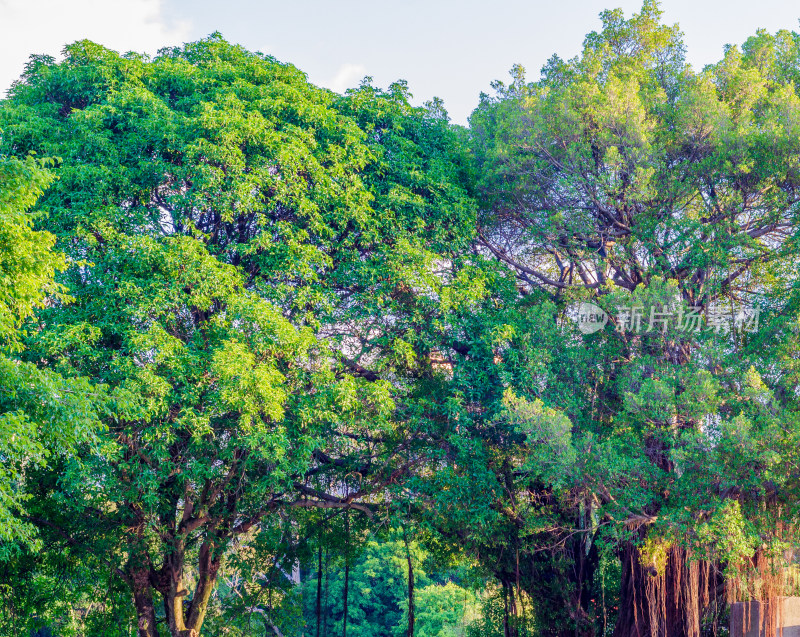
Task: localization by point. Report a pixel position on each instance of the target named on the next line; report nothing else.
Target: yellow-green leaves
(728, 535)
(250, 388)
(548, 437)
(41, 413)
(27, 263)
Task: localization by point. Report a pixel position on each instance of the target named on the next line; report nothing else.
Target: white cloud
(45, 26)
(348, 76)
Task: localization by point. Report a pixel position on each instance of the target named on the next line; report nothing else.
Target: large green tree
(625, 177)
(251, 260)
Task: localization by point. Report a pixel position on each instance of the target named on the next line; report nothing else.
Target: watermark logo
(589, 317)
(690, 319)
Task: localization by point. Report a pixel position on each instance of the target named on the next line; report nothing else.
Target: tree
(624, 177)
(246, 252)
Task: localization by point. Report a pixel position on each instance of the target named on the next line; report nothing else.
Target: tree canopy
(280, 361)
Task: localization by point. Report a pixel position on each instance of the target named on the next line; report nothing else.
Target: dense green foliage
(41, 414)
(264, 222)
(278, 361)
(625, 177)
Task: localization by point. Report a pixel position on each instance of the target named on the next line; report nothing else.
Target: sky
(445, 48)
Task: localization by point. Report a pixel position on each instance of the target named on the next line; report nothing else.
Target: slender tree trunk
(584, 569)
(516, 567)
(346, 569)
(603, 599)
(410, 631)
(506, 622)
(319, 589)
(513, 626)
(346, 586)
(327, 588)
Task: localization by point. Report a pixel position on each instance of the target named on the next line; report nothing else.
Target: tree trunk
(346, 586)
(506, 622)
(173, 591)
(633, 617)
(319, 590)
(182, 620)
(346, 568)
(326, 609)
(209, 564)
(581, 577)
(410, 631)
(143, 601)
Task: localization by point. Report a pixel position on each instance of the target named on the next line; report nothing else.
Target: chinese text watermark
(684, 318)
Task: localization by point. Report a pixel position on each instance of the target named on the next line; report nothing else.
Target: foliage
(248, 253)
(326, 337)
(625, 177)
(42, 415)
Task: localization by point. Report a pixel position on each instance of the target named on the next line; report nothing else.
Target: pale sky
(443, 48)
